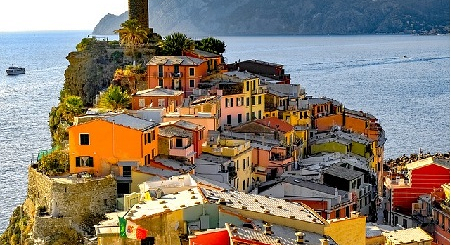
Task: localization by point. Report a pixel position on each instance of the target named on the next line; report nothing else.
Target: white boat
(14, 70)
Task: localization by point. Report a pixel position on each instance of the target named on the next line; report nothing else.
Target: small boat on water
(14, 70)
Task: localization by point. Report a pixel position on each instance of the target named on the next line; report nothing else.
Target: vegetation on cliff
(18, 229)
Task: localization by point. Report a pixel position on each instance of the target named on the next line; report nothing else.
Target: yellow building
(254, 94)
(240, 152)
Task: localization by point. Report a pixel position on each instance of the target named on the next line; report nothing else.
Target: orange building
(213, 60)
(157, 97)
(112, 144)
(176, 72)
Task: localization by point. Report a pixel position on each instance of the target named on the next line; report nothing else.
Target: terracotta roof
(131, 122)
(175, 60)
(158, 91)
(265, 205)
(275, 123)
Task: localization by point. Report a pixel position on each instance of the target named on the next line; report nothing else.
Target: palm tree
(132, 34)
(114, 99)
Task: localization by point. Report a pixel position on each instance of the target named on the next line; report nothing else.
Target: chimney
(300, 237)
(324, 241)
(355, 214)
(336, 192)
(267, 229)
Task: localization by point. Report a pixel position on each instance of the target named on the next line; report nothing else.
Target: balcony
(176, 74)
(187, 151)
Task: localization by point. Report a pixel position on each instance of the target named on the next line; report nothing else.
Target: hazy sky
(31, 15)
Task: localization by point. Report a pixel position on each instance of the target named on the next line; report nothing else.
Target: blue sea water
(402, 80)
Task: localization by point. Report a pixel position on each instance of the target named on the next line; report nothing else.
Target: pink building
(233, 110)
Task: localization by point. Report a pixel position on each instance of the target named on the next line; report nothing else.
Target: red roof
(275, 123)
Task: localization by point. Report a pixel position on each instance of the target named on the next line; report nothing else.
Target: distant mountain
(263, 17)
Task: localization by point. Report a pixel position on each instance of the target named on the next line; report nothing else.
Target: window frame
(82, 140)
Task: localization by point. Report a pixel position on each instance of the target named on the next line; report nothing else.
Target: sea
(403, 80)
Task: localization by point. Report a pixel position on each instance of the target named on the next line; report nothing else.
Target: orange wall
(108, 144)
(177, 100)
(199, 72)
(325, 123)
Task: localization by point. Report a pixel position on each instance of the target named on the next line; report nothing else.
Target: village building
(406, 183)
(180, 73)
(157, 97)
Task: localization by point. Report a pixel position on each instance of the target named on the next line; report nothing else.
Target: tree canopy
(211, 45)
(175, 43)
(114, 99)
(62, 116)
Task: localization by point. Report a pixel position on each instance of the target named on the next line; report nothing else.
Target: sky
(44, 15)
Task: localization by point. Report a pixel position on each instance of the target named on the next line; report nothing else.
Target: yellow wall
(328, 147)
(347, 231)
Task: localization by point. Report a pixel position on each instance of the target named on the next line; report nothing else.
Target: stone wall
(69, 201)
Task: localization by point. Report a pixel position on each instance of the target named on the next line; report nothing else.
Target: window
(239, 118)
(247, 101)
(259, 100)
(247, 86)
(253, 115)
(404, 223)
(260, 114)
(84, 162)
(337, 214)
(191, 83)
(191, 71)
(178, 142)
(142, 103)
(161, 103)
(231, 102)
(84, 139)
(160, 71)
(229, 119)
(147, 159)
(247, 117)
(160, 82)
(127, 171)
(253, 100)
(244, 164)
(148, 241)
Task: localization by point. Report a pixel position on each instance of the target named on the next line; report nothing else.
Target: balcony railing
(175, 74)
(182, 151)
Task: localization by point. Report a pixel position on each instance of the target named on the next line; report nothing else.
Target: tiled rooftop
(407, 236)
(284, 90)
(342, 172)
(340, 135)
(262, 204)
(275, 123)
(241, 74)
(174, 60)
(158, 91)
(130, 121)
(169, 202)
(172, 131)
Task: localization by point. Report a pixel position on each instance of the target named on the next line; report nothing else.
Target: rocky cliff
(259, 17)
